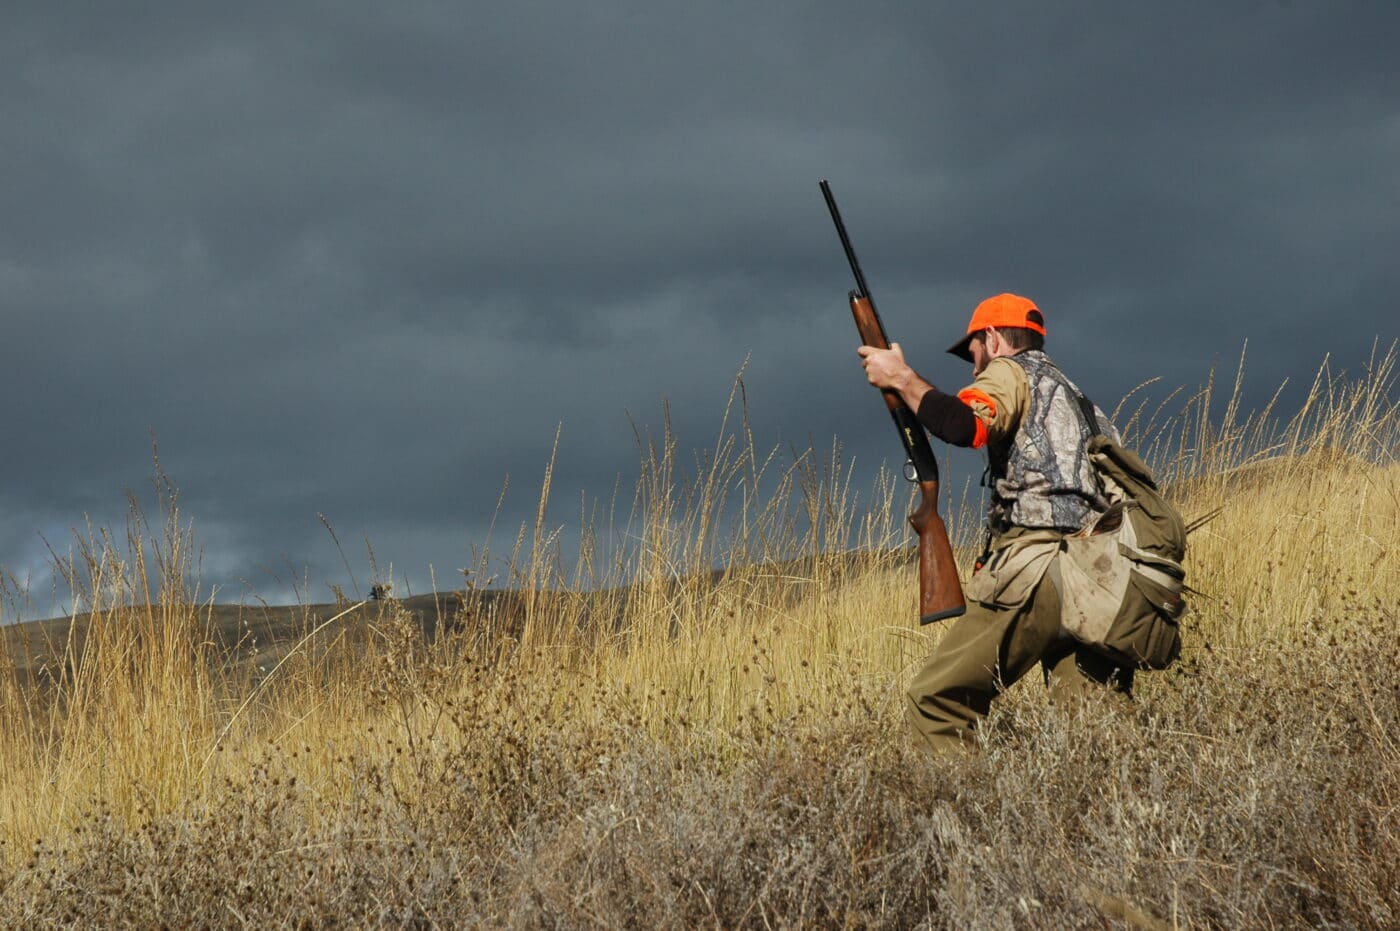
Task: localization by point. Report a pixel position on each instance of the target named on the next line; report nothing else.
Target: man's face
(980, 355)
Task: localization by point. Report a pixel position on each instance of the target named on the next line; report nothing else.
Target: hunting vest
(1041, 477)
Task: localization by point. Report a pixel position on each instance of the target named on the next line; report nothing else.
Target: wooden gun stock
(940, 591)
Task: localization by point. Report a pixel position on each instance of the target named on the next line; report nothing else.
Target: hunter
(1042, 487)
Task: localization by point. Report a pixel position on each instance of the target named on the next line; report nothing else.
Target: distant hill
(256, 634)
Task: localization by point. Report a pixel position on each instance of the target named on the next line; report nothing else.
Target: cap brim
(963, 348)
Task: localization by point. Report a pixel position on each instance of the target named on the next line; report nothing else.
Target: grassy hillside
(633, 739)
(244, 640)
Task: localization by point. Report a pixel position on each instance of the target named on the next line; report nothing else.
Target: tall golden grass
(697, 718)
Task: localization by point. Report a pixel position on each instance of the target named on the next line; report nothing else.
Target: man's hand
(887, 370)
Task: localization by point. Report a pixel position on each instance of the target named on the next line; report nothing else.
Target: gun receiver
(940, 592)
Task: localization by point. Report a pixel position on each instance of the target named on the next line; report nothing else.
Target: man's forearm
(946, 417)
(911, 388)
(943, 415)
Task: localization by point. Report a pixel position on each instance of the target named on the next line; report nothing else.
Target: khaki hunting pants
(986, 651)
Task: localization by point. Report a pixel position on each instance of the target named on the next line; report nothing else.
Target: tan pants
(986, 651)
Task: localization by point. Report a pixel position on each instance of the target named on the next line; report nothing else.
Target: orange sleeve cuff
(973, 397)
(979, 437)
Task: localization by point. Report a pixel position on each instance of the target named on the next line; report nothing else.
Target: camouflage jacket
(1038, 470)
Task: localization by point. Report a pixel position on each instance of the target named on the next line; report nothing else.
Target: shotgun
(940, 592)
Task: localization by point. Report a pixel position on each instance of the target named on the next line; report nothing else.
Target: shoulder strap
(1086, 407)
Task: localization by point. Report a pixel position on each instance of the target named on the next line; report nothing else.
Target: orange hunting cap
(1004, 310)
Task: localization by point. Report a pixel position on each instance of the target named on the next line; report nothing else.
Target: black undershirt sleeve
(947, 418)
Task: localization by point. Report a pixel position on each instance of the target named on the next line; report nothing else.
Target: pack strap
(1086, 407)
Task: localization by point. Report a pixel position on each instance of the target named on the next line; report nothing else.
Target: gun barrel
(861, 287)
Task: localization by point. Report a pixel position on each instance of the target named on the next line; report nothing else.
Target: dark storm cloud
(361, 261)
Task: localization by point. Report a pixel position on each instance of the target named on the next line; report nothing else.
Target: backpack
(1120, 578)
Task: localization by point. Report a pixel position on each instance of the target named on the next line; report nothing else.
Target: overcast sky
(362, 259)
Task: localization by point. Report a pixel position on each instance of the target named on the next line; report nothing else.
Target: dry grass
(640, 740)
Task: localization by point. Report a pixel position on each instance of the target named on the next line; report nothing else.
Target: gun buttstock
(940, 591)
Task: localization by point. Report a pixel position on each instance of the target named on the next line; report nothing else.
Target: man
(1025, 412)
